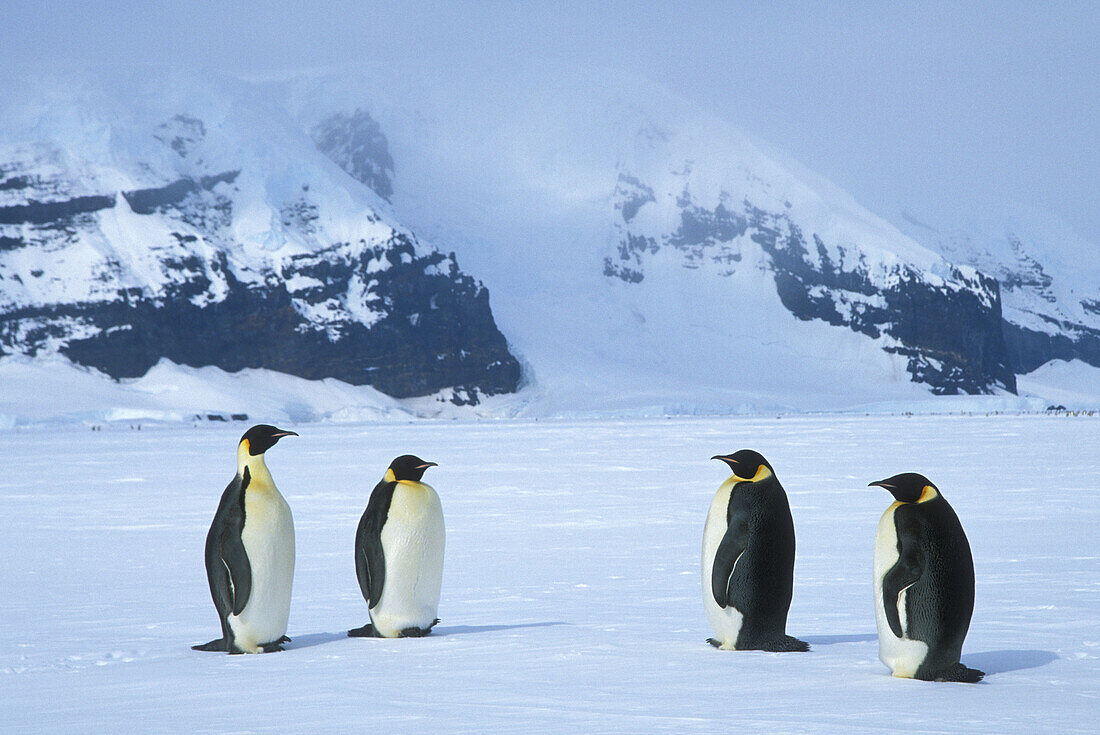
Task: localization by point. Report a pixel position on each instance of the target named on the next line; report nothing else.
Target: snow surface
(51, 390)
(571, 595)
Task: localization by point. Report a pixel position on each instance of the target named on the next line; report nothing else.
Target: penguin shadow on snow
(313, 639)
(318, 639)
(828, 640)
(1001, 662)
(466, 629)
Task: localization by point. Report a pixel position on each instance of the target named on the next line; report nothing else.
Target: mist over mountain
(642, 255)
(198, 224)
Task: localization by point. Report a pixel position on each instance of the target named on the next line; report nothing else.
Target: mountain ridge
(617, 227)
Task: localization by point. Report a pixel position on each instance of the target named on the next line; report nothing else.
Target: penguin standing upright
(250, 553)
(748, 559)
(399, 553)
(924, 583)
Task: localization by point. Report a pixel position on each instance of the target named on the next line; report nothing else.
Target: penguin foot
(958, 672)
(714, 642)
(284, 639)
(273, 647)
(367, 631)
(218, 644)
(415, 632)
(786, 644)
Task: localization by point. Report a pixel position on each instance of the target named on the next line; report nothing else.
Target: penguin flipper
(370, 560)
(906, 571)
(370, 566)
(235, 559)
(729, 551)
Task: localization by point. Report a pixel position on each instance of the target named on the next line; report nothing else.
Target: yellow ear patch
(389, 476)
(928, 493)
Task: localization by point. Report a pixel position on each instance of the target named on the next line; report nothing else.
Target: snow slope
(192, 219)
(571, 596)
(52, 391)
(522, 180)
(1049, 275)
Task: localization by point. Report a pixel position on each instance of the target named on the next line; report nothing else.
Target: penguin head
(408, 467)
(909, 487)
(747, 465)
(262, 437)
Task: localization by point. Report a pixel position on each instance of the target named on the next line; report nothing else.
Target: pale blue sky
(923, 105)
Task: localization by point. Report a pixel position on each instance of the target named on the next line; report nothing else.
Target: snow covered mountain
(1049, 278)
(740, 280)
(943, 319)
(644, 257)
(199, 224)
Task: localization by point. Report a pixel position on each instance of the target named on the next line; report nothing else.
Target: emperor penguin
(924, 583)
(399, 553)
(250, 553)
(748, 559)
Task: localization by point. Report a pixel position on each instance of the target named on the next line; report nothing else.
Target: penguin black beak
(426, 465)
(733, 464)
(281, 433)
(892, 489)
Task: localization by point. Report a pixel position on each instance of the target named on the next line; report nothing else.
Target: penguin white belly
(902, 655)
(413, 539)
(268, 537)
(725, 622)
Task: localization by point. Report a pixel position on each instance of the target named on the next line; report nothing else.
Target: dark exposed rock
(354, 142)
(949, 331)
(148, 201)
(951, 336)
(437, 330)
(386, 312)
(38, 213)
(1028, 349)
(16, 182)
(630, 195)
(182, 134)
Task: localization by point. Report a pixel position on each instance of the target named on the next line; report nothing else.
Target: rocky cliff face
(947, 324)
(208, 243)
(1049, 279)
(355, 142)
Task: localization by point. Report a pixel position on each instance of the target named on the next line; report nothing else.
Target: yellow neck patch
(257, 468)
(762, 473)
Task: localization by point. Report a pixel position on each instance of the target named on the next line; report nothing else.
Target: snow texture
(571, 596)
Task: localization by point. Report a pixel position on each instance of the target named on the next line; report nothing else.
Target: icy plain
(571, 595)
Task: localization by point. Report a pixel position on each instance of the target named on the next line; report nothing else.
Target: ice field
(571, 596)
